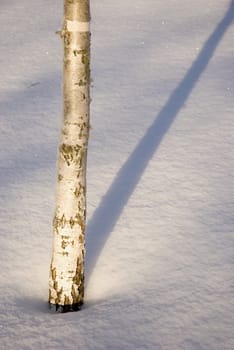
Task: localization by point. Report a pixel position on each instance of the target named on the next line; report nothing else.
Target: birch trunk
(66, 283)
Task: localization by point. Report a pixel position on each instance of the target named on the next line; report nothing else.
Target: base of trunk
(65, 308)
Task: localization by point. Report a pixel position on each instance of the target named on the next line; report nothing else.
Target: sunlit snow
(160, 228)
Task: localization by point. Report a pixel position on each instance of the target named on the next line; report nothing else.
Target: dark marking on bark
(81, 222)
(55, 285)
(75, 53)
(82, 82)
(53, 273)
(59, 295)
(74, 294)
(81, 238)
(60, 177)
(72, 222)
(67, 37)
(65, 237)
(78, 279)
(69, 153)
(66, 300)
(77, 193)
(59, 222)
(84, 130)
(64, 244)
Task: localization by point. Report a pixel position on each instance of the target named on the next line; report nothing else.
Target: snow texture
(160, 263)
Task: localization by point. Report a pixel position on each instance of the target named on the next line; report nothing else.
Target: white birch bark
(66, 283)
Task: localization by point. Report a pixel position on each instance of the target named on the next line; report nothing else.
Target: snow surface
(159, 267)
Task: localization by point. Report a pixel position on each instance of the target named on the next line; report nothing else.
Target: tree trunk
(66, 284)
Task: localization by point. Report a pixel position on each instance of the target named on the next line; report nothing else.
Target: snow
(159, 264)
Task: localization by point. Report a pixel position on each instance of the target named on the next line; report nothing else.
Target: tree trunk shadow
(107, 214)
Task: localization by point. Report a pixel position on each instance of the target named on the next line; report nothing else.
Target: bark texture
(66, 283)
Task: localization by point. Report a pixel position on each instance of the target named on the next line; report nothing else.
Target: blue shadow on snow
(107, 214)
